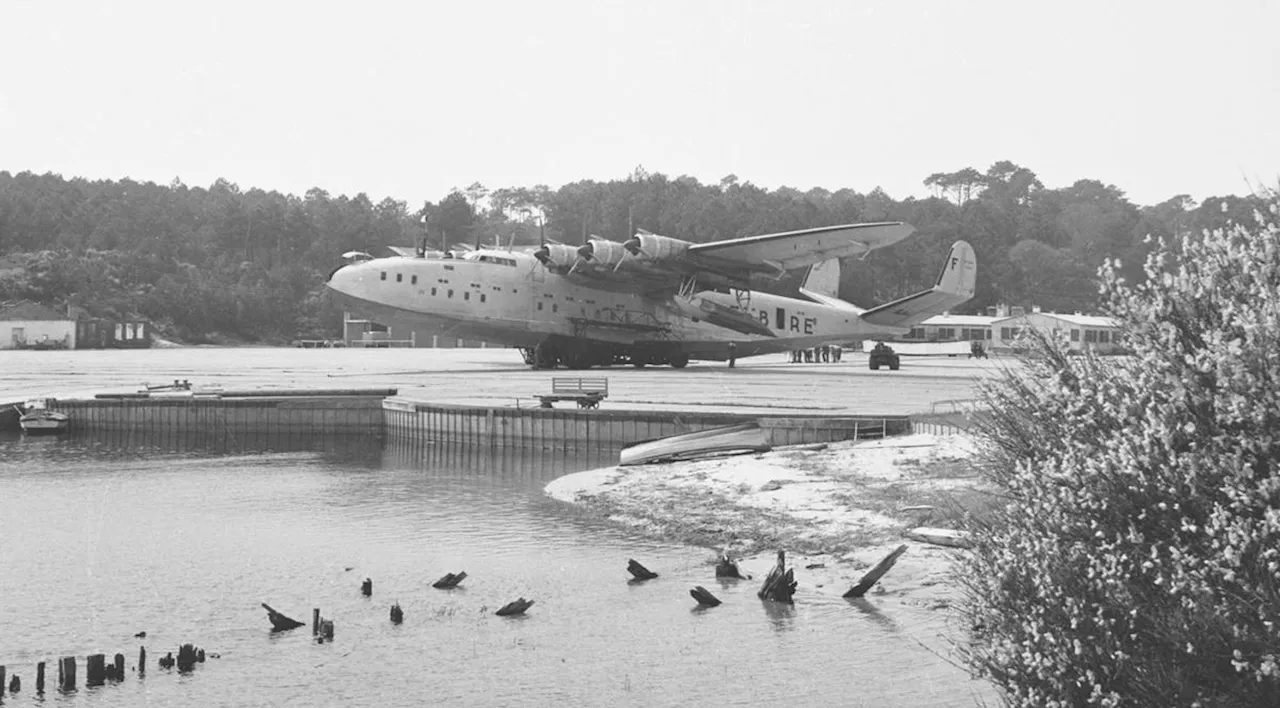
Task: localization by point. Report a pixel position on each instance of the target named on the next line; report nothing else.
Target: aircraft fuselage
(511, 298)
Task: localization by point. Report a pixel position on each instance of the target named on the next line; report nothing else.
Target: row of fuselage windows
(435, 291)
(466, 295)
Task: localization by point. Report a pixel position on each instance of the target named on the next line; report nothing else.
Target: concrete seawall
(403, 418)
(572, 429)
(259, 414)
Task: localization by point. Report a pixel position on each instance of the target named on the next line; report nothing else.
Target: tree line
(215, 263)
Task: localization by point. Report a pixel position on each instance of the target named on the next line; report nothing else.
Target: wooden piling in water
(367, 587)
(875, 573)
(315, 621)
(15, 684)
(2, 680)
(142, 660)
(95, 669)
(67, 673)
(187, 657)
(40, 677)
(119, 667)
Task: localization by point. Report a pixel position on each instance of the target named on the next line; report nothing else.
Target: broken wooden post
(449, 580)
(874, 574)
(780, 584)
(281, 622)
(187, 657)
(397, 614)
(704, 598)
(40, 677)
(166, 661)
(67, 673)
(326, 629)
(95, 669)
(119, 667)
(366, 588)
(728, 568)
(639, 571)
(315, 621)
(15, 684)
(515, 607)
(1, 679)
(142, 660)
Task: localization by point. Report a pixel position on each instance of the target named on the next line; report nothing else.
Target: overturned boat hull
(744, 437)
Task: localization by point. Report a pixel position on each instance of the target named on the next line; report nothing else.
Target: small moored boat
(37, 417)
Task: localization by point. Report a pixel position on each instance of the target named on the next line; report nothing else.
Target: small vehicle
(883, 355)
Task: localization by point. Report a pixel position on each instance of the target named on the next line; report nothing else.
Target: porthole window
(384, 275)
(433, 292)
(481, 297)
(466, 296)
(414, 280)
(539, 306)
(399, 277)
(450, 293)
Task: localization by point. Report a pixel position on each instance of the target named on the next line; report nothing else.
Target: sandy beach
(837, 509)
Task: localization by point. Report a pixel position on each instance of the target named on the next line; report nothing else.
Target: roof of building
(959, 321)
(27, 311)
(1075, 319)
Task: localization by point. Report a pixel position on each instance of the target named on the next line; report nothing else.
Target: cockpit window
(486, 258)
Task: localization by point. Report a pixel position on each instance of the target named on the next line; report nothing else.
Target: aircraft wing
(795, 249)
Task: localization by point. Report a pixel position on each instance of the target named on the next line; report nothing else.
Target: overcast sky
(410, 100)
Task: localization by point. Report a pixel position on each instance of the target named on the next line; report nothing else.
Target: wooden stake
(95, 670)
(639, 571)
(119, 667)
(67, 673)
(2, 680)
(315, 621)
(40, 677)
(142, 660)
(874, 574)
(704, 598)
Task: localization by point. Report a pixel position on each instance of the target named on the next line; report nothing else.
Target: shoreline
(836, 508)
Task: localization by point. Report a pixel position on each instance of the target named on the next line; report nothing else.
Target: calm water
(183, 538)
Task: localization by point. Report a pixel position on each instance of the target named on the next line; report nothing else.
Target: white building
(1101, 334)
(30, 325)
(952, 328)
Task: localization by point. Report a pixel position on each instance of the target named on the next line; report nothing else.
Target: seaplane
(650, 300)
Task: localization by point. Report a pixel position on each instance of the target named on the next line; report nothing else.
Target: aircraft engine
(557, 255)
(657, 248)
(603, 253)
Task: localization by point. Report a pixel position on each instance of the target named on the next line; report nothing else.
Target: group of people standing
(817, 355)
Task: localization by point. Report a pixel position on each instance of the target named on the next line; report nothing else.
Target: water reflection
(353, 446)
(872, 612)
(781, 615)
(501, 461)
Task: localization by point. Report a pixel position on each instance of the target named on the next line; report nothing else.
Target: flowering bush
(1136, 559)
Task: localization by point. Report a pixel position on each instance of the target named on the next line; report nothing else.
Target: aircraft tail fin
(822, 285)
(954, 286)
